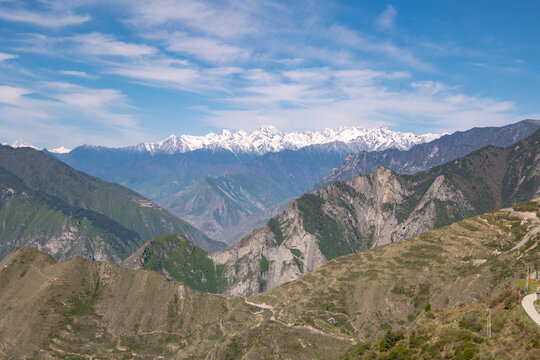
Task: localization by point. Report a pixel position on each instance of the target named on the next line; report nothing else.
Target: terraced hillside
(460, 333)
(78, 307)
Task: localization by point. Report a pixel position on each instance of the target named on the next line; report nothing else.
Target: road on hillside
(528, 306)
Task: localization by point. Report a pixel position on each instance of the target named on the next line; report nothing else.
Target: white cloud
(387, 18)
(430, 87)
(221, 19)
(354, 40)
(57, 101)
(162, 73)
(177, 74)
(80, 74)
(205, 48)
(42, 19)
(4, 56)
(357, 97)
(102, 44)
(12, 95)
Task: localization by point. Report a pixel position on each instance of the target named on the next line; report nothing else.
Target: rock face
(377, 209)
(424, 156)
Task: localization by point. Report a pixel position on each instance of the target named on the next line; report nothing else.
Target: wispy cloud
(357, 97)
(97, 115)
(221, 19)
(102, 44)
(357, 41)
(80, 74)
(42, 19)
(12, 95)
(204, 48)
(387, 18)
(160, 73)
(4, 56)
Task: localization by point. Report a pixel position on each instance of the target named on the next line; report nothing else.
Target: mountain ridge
(378, 209)
(33, 177)
(427, 155)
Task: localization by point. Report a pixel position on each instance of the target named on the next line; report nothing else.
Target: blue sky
(120, 72)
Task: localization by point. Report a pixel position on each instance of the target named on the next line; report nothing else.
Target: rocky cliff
(377, 209)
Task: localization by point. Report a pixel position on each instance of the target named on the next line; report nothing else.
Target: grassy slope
(461, 333)
(114, 312)
(177, 258)
(50, 176)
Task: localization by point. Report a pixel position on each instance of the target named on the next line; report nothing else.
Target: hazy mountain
(71, 192)
(377, 209)
(80, 308)
(155, 176)
(424, 156)
(218, 205)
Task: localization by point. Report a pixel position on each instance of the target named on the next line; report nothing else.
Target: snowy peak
(269, 139)
(20, 144)
(61, 150)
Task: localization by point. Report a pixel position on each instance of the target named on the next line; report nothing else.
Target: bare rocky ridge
(377, 209)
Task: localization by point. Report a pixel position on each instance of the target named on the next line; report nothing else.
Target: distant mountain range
(269, 139)
(46, 204)
(218, 205)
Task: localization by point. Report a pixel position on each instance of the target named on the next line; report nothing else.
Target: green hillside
(178, 259)
(50, 177)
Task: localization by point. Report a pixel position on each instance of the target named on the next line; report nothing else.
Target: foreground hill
(47, 204)
(460, 333)
(424, 156)
(77, 308)
(376, 209)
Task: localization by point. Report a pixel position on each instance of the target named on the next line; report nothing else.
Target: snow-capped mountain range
(269, 139)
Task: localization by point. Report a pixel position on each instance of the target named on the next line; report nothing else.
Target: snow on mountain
(20, 144)
(269, 139)
(61, 150)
